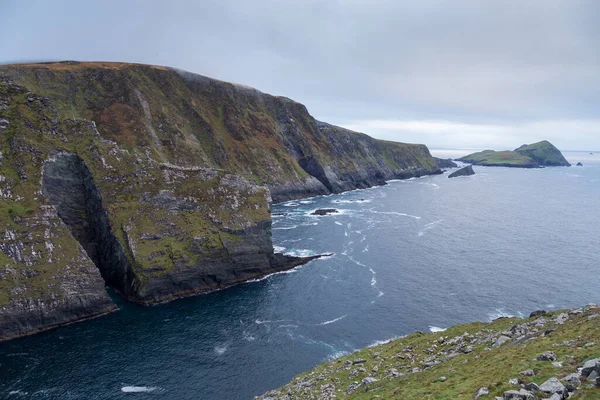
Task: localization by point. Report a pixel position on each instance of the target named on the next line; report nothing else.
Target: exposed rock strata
(155, 182)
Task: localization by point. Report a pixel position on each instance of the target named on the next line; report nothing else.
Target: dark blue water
(413, 255)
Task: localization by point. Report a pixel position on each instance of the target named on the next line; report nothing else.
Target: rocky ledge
(548, 355)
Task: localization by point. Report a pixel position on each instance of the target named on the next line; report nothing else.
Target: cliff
(155, 182)
(534, 155)
(547, 354)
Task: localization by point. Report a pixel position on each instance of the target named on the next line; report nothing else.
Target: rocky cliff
(156, 183)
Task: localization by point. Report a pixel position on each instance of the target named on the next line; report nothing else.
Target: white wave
(248, 337)
(429, 226)
(351, 201)
(17, 392)
(278, 249)
(338, 223)
(333, 320)
(380, 294)
(366, 249)
(435, 329)
(291, 204)
(306, 202)
(300, 253)
(337, 354)
(259, 322)
(286, 228)
(380, 342)
(221, 349)
(345, 233)
(356, 261)
(373, 280)
(501, 313)
(288, 326)
(138, 389)
(394, 213)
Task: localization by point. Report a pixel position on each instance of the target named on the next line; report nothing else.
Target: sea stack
(465, 171)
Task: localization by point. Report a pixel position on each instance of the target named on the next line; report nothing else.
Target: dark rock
(589, 366)
(324, 211)
(547, 356)
(445, 163)
(572, 381)
(537, 313)
(579, 164)
(465, 171)
(519, 395)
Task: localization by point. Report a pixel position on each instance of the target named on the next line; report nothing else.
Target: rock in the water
(324, 211)
(579, 164)
(465, 171)
(519, 395)
(445, 163)
(547, 356)
(537, 313)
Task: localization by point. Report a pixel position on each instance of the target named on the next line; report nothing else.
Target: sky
(450, 74)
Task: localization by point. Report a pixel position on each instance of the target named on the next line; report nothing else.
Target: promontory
(534, 155)
(156, 183)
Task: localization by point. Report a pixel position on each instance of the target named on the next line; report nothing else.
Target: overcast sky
(450, 74)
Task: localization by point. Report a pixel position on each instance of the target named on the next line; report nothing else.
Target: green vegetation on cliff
(156, 182)
(460, 361)
(527, 156)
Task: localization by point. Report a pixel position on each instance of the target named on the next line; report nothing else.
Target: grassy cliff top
(459, 361)
(544, 153)
(500, 158)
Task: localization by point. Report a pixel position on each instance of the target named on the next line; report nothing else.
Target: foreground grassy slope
(459, 361)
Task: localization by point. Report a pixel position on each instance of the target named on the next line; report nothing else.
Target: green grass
(465, 373)
(499, 158)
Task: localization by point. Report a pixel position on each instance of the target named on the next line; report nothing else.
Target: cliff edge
(155, 182)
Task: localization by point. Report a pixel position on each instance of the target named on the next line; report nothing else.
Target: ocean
(419, 254)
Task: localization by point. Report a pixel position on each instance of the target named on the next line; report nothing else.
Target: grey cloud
(503, 63)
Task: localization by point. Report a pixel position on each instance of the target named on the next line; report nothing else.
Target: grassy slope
(544, 152)
(483, 367)
(499, 158)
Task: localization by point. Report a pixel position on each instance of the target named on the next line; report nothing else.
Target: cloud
(448, 134)
(498, 62)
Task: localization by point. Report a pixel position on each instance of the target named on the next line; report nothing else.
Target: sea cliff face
(155, 182)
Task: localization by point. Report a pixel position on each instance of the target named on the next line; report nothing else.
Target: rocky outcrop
(579, 164)
(155, 182)
(445, 163)
(544, 153)
(464, 171)
(324, 211)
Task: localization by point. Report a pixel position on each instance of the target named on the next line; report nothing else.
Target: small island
(536, 155)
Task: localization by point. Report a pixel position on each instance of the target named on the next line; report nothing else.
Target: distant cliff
(534, 155)
(155, 182)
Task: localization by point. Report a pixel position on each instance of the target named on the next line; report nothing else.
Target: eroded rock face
(155, 182)
(68, 184)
